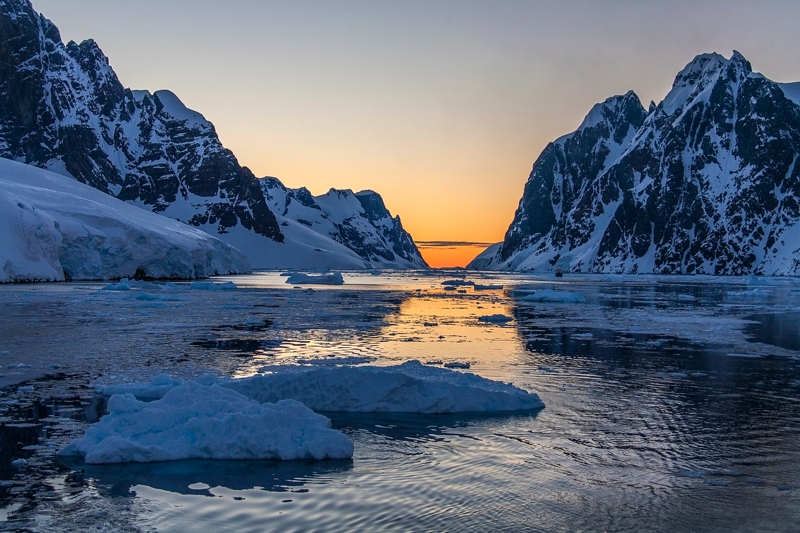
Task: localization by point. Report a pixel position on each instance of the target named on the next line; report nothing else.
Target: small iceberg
(334, 278)
(495, 319)
(456, 364)
(478, 287)
(196, 421)
(549, 295)
(407, 388)
(457, 282)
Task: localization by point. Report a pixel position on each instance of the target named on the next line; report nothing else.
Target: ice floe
(407, 388)
(196, 421)
(334, 278)
(495, 319)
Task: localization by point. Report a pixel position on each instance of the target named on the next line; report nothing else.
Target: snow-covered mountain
(63, 108)
(53, 228)
(359, 221)
(706, 182)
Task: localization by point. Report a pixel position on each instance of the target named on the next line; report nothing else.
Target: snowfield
(53, 228)
(196, 421)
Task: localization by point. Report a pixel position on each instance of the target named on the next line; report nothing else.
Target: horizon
(441, 108)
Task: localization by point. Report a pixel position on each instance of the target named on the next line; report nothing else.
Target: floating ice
(410, 387)
(755, 293)
(334, 278)
(457, 282)
(157, 387)
(209, 286)
(478, 287)
(549, 295)
(495, 319)
(196, 421)
(456, 364)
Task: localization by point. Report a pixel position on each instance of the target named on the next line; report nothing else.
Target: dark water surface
(672, 404)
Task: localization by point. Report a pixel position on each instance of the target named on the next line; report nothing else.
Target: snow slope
(358, 221)
(54, 228)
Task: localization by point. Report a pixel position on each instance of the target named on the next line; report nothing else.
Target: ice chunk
(411, 387)
(195, 421)
(456, 364)
(549, 295)
(123, 285)
(334, 278)
(478, 287)
(457, 282)
(755, 293)
(495, 319)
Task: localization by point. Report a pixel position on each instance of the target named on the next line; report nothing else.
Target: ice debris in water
(209, 286)
(407, 388)
(334, 278)
(478, 287)
(755, 293)
(457, 282)
(549, 295)
(456, 364)
(495, 319)
(197, 421)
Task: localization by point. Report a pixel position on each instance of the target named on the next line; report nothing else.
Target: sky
(441, 106)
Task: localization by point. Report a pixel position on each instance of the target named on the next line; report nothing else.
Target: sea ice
(196, 421)
(457, 282)
(549, 295)
(209, 286)
(334, 278)
(478, 287)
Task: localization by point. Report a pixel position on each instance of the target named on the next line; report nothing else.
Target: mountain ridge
(707, 184)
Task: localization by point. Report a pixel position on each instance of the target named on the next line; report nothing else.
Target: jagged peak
(699, 74)
(173, 106)
(610, 110)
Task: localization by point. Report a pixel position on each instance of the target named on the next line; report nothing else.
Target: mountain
(62, 108)
(358, 221)
(53, 228)
(705, 182)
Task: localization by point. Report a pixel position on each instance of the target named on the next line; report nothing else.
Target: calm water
(672, 404)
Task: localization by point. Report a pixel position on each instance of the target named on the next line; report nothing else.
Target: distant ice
(495, 319)
(549, 295)
(334, 278)
(457, 282)
(755, 293)
(209, 286)
(196, 421)
(478, 287)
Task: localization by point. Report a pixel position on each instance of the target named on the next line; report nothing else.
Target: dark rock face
(359, 221)
(63, 108)
(706, 182)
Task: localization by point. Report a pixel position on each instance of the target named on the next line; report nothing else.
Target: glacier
(53, 228)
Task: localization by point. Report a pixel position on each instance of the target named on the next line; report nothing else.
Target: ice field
(671, 403)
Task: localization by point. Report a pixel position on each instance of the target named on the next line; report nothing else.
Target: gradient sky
(439, 105)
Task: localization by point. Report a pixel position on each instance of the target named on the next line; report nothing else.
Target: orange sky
(441, 106)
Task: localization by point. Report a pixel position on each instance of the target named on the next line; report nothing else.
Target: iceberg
(196, 421)
(495, 319)
(334, 278)
(407, 388)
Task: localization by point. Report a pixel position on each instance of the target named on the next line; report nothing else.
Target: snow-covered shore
(53, 228)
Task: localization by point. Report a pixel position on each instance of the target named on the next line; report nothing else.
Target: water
(673, 404)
